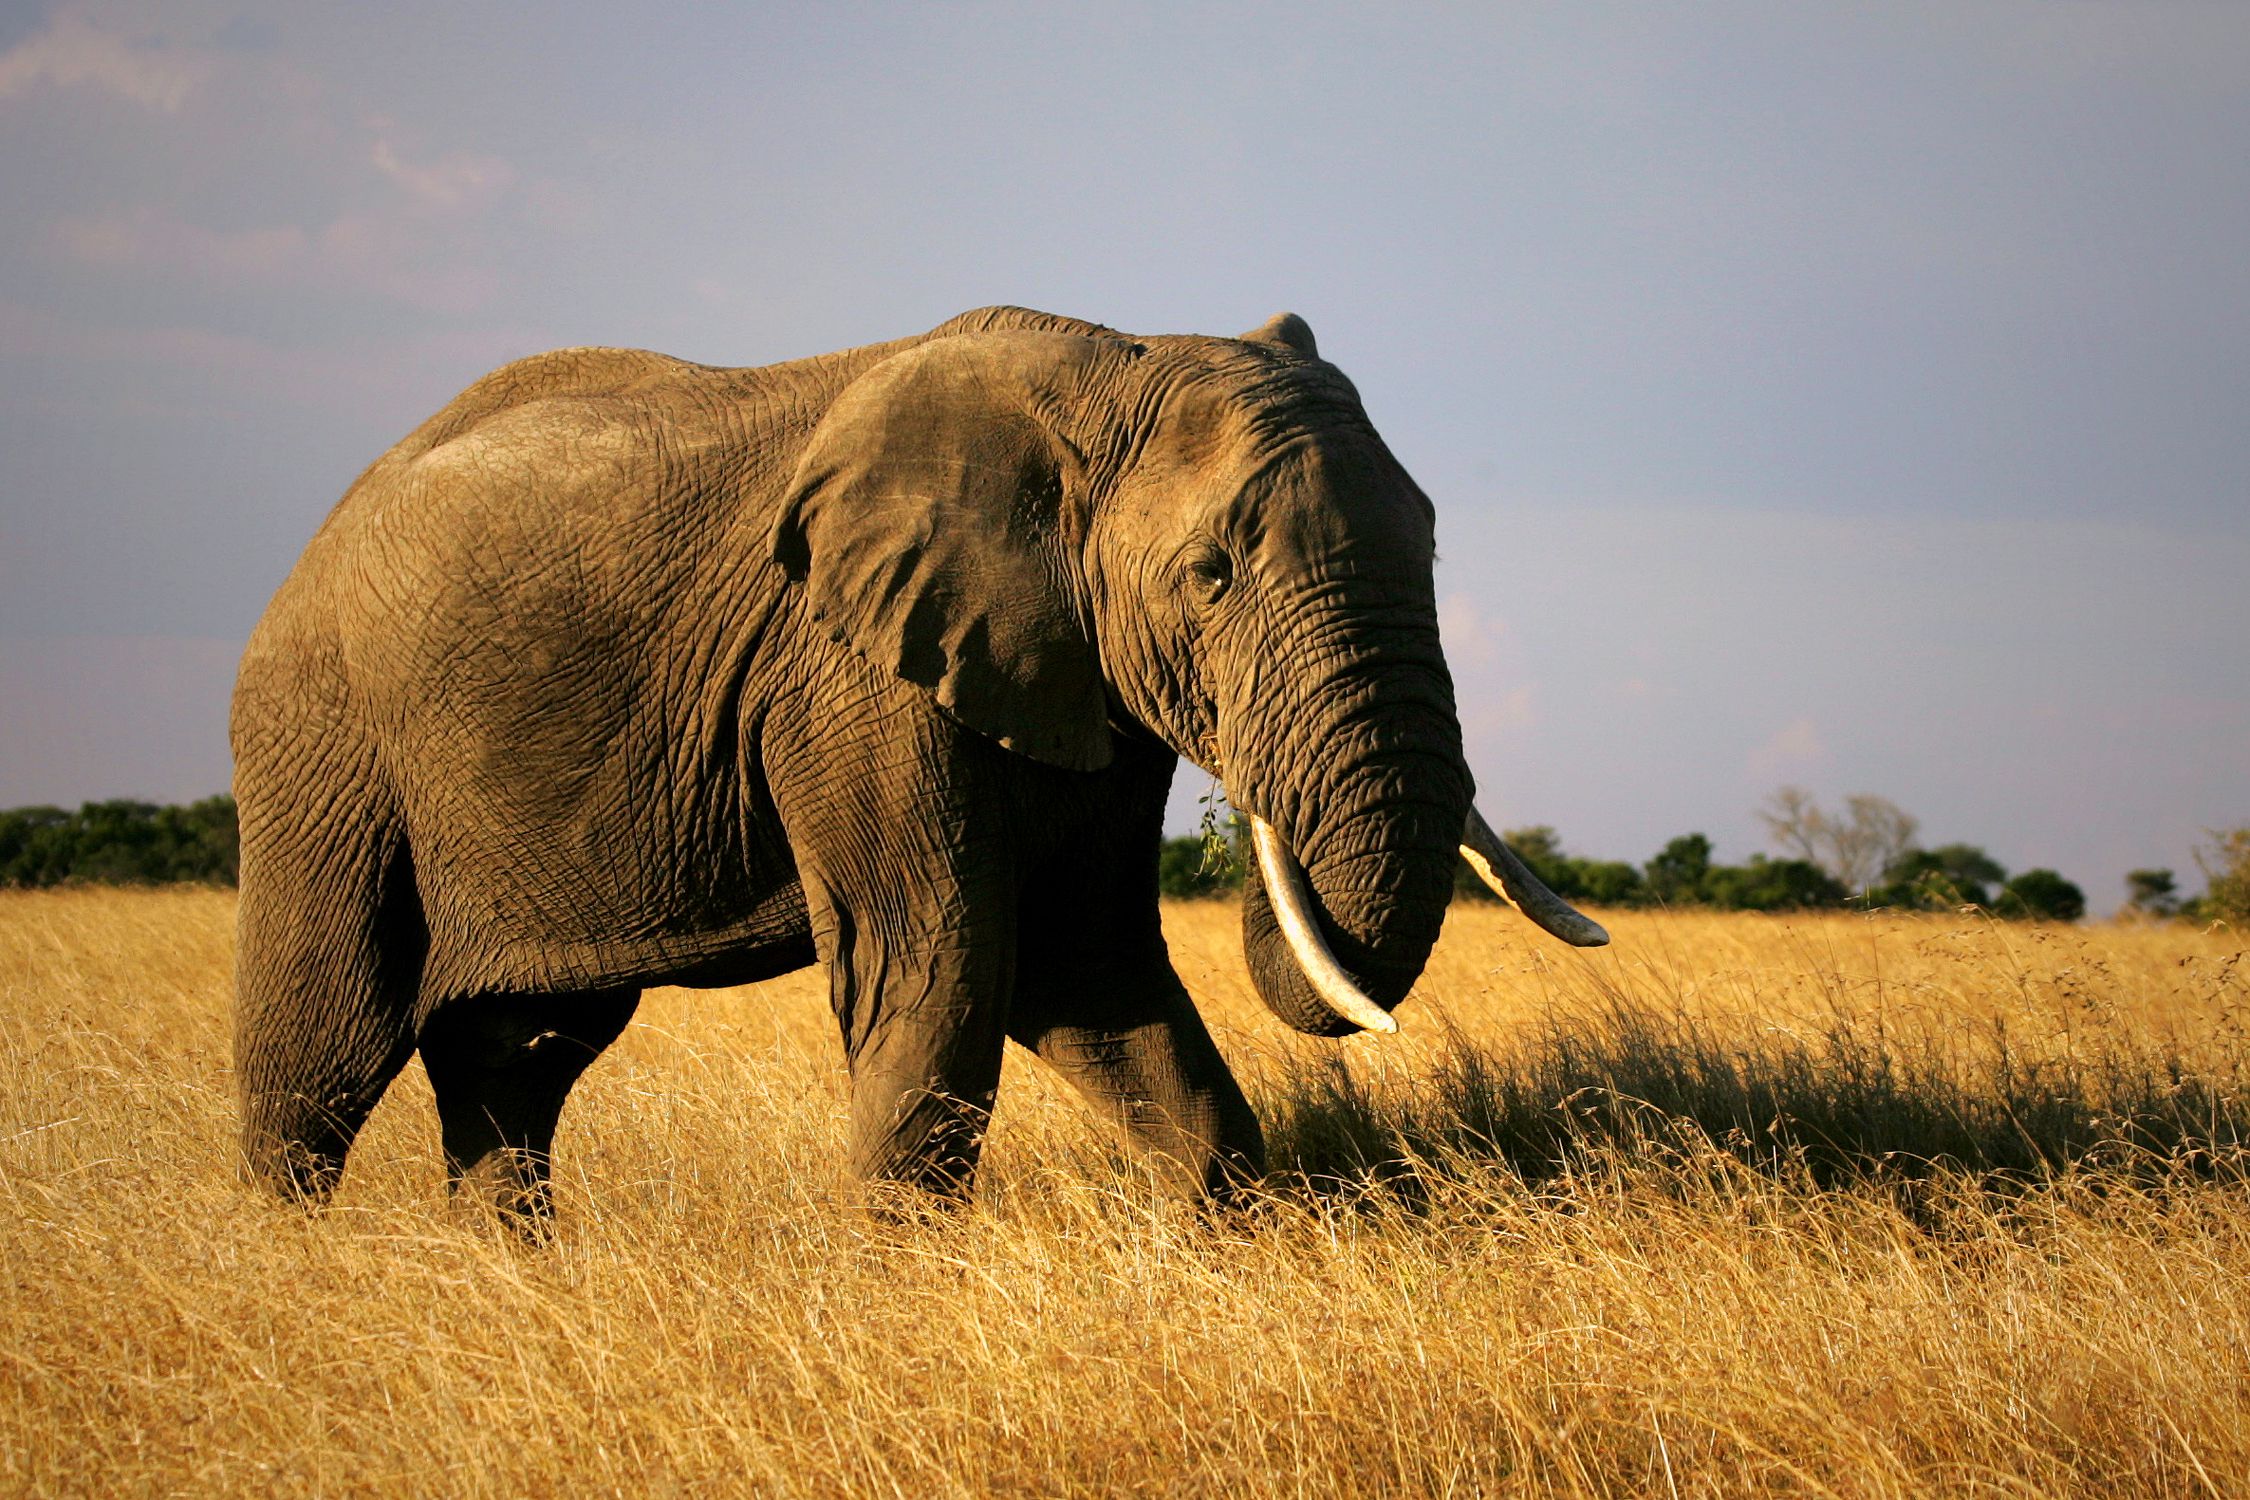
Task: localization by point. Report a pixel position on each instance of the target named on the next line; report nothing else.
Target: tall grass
(1834, 1205)
(1848, 1103)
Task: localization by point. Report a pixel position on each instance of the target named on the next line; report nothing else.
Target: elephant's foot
(918, 1154)
(1159, 1075)
(294, 1146)
(506, 1186)
(295, 1171)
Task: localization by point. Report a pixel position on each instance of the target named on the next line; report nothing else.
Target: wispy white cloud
(387, 250)
(1473, 637)
(1796, 746)
(390, 256)
(392, 372)
(147, 238)
(1496, 699)
(73, 52)
(348, 198)
(1490, 719)
(454, 181)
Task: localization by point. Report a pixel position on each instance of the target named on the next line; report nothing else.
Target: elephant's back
(591, 459)
(557, 375)
(578, 505)
(542, 420)
(514, 557)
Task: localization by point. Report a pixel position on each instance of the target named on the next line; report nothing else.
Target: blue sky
(1846, 396)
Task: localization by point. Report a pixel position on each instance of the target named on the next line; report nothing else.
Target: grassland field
(1823, 1205)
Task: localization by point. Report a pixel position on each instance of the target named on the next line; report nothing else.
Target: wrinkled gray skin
(623, 671)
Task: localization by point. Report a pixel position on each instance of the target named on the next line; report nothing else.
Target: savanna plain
(1836, 1204)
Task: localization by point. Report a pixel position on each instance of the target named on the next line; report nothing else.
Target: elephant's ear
(934, 519)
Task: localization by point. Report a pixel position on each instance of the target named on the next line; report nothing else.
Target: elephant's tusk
(1291, 898)
(1511, 878)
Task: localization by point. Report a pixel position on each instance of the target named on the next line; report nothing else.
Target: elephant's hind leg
(501, 1066)
(329, 959)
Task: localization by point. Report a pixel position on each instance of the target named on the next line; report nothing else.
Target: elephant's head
(1058, 529)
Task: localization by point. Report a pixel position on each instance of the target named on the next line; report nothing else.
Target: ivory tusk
(1291, 898)
(1512, 879)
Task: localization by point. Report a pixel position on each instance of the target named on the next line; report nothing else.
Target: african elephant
(625, 671)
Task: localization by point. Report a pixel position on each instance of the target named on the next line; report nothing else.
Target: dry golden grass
(1604, 1309)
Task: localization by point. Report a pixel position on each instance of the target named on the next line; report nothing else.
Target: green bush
(1959, 875)
(1772, 885)
(1681, 874)
(1191, 867)
(1607, 882)
(1677, 874)
(119, 843)
(1939, 879)
(2041, 894)
(2152, 893)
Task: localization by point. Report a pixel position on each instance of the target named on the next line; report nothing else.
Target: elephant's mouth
(1296, 912)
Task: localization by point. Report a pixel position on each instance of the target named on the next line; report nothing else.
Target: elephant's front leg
(922, 1014)
(1098, 1001)
(898, 819)
(1162, 1079)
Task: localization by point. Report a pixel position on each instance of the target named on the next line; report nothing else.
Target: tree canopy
(119, 843)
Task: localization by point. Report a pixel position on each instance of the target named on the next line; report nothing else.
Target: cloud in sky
(1877, 371)
(1479, 646)
(1473, 637)
(448, 183)
(74, 52)
(1793, 749)
(148, 238)
(401, 247)
(219, 376)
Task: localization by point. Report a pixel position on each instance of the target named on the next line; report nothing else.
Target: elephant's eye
(1207, 571)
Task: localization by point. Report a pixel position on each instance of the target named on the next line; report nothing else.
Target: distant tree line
(1683, 873)
(119, 843)
(1863, 856)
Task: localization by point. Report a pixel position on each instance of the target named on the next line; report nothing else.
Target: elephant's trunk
(1359, 862)
(1298, 917)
